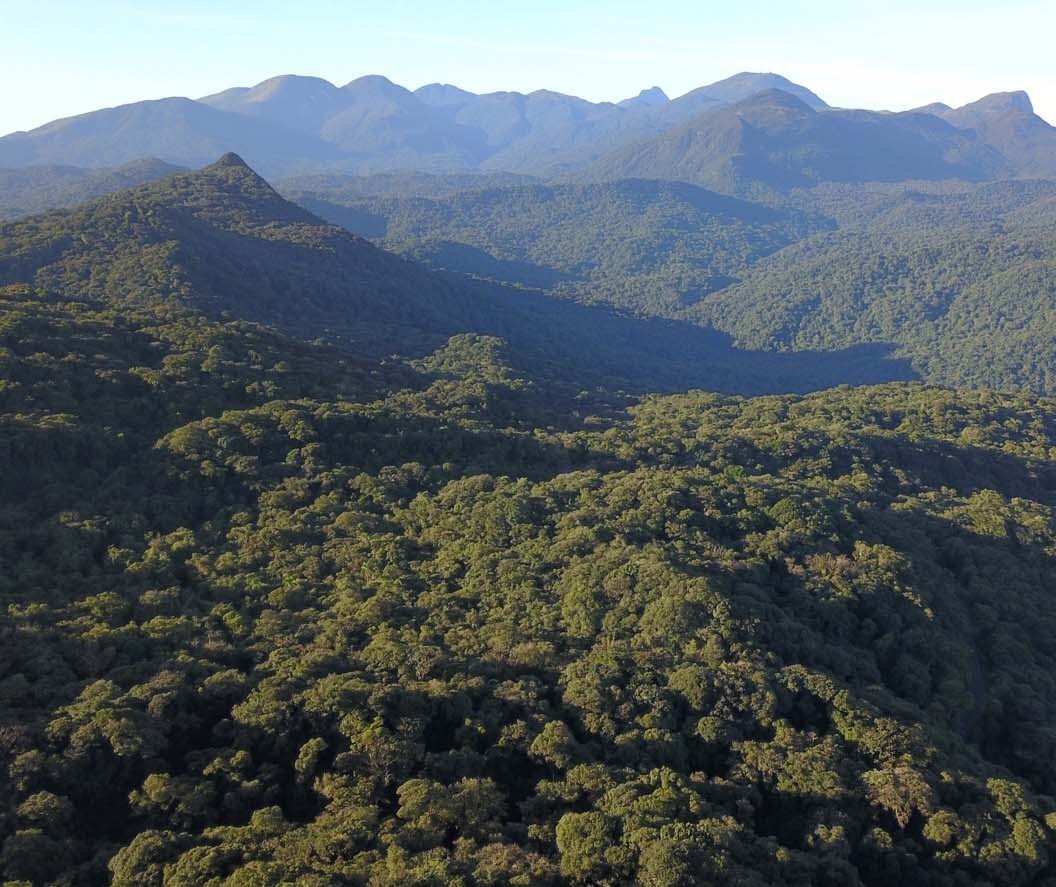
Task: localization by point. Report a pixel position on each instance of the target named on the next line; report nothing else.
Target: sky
(64, 57)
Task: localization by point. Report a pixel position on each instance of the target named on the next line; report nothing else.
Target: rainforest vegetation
(306, 581)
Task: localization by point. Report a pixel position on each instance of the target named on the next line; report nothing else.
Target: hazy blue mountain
(777, 141)
(303, 103)
(720, 135)
(36, 189)
(175, 130)
(382, 126)
(443, 95)
(1006, 121)
(652, 96)
(936, 108)
(746, 84)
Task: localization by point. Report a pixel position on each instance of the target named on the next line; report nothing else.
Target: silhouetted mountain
(36, 189)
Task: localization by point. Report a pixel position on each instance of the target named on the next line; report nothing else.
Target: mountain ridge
(293, 124)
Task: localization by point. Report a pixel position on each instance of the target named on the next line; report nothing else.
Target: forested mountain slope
(953, 276)
(557, 550)
(960, 280)
(277, 615)
(222, 241)
(651, 247)
(773, 141)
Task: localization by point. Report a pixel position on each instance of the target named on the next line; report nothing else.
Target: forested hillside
(275, 615)
(222, 241)
(36, 189)
(960, 281)
(313, 576)
(953, 277)
(646, 246)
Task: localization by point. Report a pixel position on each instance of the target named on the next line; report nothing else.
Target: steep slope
(962, 282)
(175, 130)
(221, 240)
(1007, 122)
(36, 189)
(776, 142)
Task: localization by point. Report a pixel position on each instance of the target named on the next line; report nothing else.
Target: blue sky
(61, 57)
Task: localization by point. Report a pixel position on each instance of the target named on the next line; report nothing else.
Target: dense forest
(275, 617)
(320, 568)
(954, 278)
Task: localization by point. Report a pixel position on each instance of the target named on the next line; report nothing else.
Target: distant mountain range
(777, 141)
(750, 128)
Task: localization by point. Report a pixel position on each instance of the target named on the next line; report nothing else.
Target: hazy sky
(62, 57)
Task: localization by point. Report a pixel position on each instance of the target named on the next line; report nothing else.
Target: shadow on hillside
(471, 261)
(648, 354)
(378, 305)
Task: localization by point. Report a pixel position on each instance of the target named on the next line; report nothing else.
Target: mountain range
(367, 529)
(750, 128)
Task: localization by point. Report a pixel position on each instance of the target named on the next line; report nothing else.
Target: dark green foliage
(649, 247)
(427, 639)
(960, 279)
(956, 278)
(222, 241)
(277, 612)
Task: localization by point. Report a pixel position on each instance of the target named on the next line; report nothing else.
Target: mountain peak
(654, 95)
(1017, 100)
(935, 108)
(371, 81)
(231, 160)
(775, 98)
(747, 83)
(443, 95)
